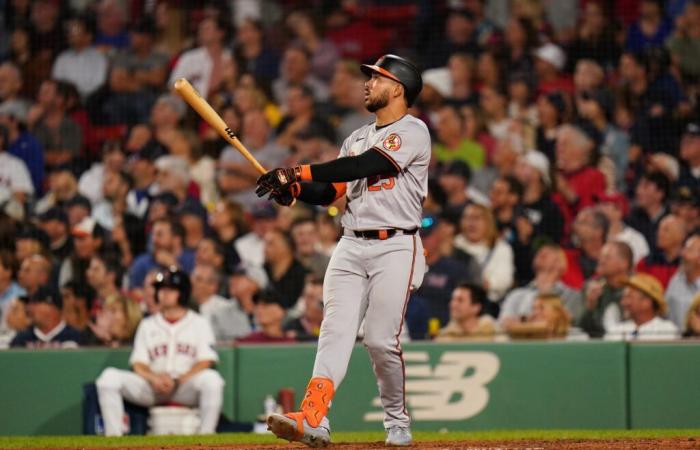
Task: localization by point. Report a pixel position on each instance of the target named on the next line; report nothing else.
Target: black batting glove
(277, 180)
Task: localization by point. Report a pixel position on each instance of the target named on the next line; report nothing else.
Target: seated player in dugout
(382, 170)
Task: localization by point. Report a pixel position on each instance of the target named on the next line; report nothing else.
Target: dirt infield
(526, 444)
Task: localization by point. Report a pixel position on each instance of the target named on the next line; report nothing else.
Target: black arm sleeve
(370, 163)
(316, 193)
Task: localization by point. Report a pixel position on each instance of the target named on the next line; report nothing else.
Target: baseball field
(506, 439)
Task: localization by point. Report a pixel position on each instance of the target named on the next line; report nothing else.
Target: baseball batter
(172, 358)
(383, 171)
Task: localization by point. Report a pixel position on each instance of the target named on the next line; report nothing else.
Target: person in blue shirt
(166, 250)
(48, 329)
(23, 145)
(652, 28)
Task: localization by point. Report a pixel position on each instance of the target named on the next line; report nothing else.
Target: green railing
(452, 386)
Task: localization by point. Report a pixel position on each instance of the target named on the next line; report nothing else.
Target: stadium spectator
(88, 240)
(115, 323)
(479, 238)
(104, 274)
(602, 294)
(452, 143)
(227, 319)
(596, 37)
(253, 53)
(305, 29)
(295, 70)
(462, 74)
(34, 272)
(689, 175)
(458, 37)
(77, 304)
(578, 182)
(10, 89)
(54, 223)
(550, 60)
(683, 44)
(520, 41)
(201, 65)
(685, 283)
(307, 326)
(590, 230)
(663, 260)
(549, 320)
(136, 75)
(48, 120)
(614, 207)
(552, 113)
(22, 144)
(111, 34)
(285, 272)
(142, 168)
(644, 304)
(48, 329)
(692, 321)
(445, 270)
(15, 180)
(269, 315)
(305, 235)
(236, 177)
(167, 249)
(652, 28)
(651, 195)
(82, 64)
(468, 320)
(454, 179)
(549, 266)
(15, 319)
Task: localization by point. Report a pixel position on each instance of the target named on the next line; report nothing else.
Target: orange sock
(317, 399)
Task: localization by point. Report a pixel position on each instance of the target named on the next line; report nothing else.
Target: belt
(381, 234)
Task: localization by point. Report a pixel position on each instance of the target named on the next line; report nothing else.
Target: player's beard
(379, 102)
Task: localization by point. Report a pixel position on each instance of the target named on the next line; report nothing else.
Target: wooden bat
(206, 112)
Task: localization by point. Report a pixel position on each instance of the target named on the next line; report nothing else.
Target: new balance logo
(455, 389)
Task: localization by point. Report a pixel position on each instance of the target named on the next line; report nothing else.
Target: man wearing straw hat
(644, 305)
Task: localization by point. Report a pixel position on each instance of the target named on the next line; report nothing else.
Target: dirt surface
(526, 444)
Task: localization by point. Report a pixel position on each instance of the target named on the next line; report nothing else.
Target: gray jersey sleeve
(405, 144)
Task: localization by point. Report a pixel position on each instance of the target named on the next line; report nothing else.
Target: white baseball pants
(370, 279)
(205, 390)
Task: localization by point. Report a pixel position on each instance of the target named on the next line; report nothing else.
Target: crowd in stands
(564, 193)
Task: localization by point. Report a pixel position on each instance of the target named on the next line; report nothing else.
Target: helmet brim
(369, 69)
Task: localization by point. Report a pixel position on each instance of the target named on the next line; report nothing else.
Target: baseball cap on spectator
(458, 168)
(86, 227)
(54, 214)
(440, 80)
(263, 210)
(686, 195)
(538, 161)
(15, 109)
(175, 103)
(651, 287)
(618, 199)
(48, 295)
(553, 54)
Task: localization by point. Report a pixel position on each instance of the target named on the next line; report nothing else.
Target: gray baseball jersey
(389, 202)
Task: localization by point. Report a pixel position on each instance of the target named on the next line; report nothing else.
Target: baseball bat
(206, 112)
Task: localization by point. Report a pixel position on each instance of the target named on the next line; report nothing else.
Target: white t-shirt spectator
(14, 176)
(86, 69)
(657, 329)
(196, 66)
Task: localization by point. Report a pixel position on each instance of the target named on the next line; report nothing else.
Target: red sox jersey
(383, 202)
(173, 348)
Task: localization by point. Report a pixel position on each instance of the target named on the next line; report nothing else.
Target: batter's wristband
(304, 173)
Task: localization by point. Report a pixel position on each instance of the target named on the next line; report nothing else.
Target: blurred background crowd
(564, 192)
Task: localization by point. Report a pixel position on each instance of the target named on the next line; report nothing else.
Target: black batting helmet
(398, 69)
(176, 279)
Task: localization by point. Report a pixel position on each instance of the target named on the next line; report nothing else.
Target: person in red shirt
(578, 183)
(549, 63)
